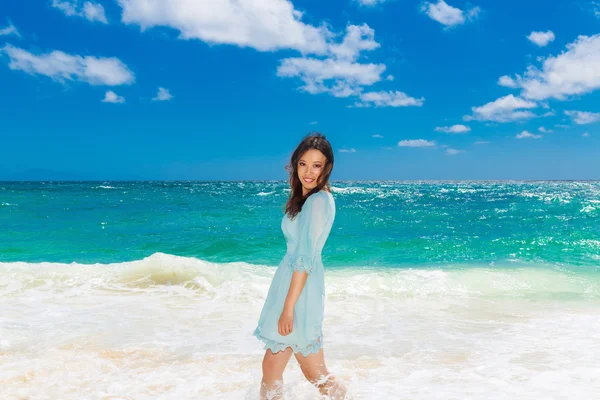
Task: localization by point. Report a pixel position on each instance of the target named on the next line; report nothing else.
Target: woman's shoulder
(323, 193)
(321, 198)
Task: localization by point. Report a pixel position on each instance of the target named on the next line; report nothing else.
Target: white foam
(170, 327)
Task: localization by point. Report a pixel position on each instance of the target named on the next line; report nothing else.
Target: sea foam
(168, 327)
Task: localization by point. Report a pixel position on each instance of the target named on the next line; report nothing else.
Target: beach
(434, 290)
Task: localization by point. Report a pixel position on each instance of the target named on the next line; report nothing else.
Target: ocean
(434, 289)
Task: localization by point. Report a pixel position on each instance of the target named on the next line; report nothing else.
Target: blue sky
(174, 89)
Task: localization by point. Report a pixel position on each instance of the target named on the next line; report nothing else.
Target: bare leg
(273, 365)
(315, 371)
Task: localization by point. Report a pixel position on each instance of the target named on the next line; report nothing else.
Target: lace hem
(313, 347)
(302, 263)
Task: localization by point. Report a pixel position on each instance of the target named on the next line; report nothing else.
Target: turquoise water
(434, 290)
(378, 224)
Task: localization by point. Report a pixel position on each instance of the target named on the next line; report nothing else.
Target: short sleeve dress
(305, 236)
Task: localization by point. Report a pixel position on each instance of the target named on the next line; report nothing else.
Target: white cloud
(595, 8)
(10, 30)
(264, 25)
(340, 78)
(504, 109)
(528, 135)
(549, 114)
(583, 117)
(378, 136)
(562, 126)
(112, 97)
(313, 122)
(369, 3)
(541, 38)
(63, 67)
(416, 143)
(573, 72)
(473, 13)
(90, 10)
(67, 7)
(585, 134)
(388, 99)
(453, 152)
(544, 130)
(447, 15)
(326, 64)
(340, 75)
(94, 12)
(453, 129)
(507, 81)
(163, 95)
(358, 38)
(351, 150)
(481, 142)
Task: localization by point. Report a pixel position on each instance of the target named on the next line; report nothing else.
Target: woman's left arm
(286, 320)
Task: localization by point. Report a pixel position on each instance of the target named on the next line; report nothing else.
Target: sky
(226, 89)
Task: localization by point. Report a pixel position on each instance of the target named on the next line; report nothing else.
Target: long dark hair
(317, 141)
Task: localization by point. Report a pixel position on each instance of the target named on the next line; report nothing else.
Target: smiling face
(310, 168)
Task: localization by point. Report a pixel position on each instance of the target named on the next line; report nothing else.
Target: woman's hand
(286, 322)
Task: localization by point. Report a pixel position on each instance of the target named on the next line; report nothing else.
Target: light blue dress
(305, 236)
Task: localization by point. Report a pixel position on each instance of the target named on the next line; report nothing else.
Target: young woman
(292, 316)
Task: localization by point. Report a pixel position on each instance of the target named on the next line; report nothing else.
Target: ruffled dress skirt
(307, 335)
